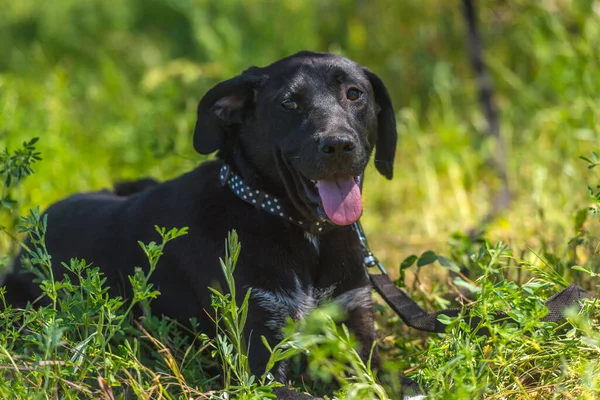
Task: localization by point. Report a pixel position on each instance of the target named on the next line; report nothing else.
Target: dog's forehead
(313, 68)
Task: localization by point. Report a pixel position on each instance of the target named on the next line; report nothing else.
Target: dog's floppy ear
(223, 107)
(385, 147)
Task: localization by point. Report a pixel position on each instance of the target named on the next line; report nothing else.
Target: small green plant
(520, 354)
(16, 166)
(84, 335)
(140, 281)
(331, 352)
(229, 343)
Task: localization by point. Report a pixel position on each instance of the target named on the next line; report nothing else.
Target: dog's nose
(336, 145)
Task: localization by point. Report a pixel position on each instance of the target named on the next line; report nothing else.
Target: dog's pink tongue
(341, 199)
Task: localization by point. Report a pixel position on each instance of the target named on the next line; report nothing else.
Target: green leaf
(467, 285)
(444, 319)
(244, 310)
(428, 257)
(571, 333)
(7, 203)
(408, 262)
(582, 269)
(79, 351)
(448, 263)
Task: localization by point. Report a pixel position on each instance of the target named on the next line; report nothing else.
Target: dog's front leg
(361, 320)
(258, 353)
(267, 322)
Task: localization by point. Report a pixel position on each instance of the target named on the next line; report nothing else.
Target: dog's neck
(264, 201)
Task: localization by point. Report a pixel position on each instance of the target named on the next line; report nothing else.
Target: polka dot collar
(266, 202)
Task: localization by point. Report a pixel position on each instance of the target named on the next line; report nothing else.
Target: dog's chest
(297, 302)
(325, 269)
(293, 302)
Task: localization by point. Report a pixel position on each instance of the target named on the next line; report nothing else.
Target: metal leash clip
(370, 261)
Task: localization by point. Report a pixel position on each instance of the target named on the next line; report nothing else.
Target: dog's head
(304, 127)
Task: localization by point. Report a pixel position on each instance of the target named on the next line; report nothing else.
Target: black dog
(293, 140)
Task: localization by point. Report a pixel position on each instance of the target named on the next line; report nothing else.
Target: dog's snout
(336, 145)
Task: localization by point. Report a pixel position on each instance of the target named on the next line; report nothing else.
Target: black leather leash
(415, 317)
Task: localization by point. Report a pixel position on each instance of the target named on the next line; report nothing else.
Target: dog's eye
(353, 94)
(289, 104)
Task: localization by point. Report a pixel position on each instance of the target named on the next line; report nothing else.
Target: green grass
(110, 89)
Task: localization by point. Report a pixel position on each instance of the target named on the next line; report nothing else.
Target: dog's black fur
(274, 149)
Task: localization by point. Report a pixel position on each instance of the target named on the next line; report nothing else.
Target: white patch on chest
(313, 239)
(323, 294)
(294, 303)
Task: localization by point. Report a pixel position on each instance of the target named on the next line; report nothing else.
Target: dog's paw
(401, 387)
(411, 390)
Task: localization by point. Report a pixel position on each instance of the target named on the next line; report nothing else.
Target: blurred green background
(110, 88)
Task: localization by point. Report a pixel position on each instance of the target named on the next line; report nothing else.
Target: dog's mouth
(338, 197)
